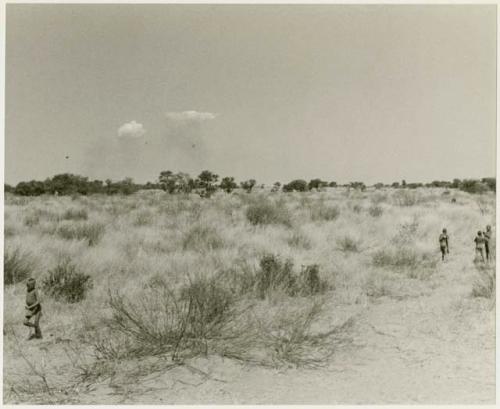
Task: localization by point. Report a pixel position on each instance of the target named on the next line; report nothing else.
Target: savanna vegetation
(155, 279)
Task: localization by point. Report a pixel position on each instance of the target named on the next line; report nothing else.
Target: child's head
(488, 227)
(479, 233)
(444, 230)
(30, 283)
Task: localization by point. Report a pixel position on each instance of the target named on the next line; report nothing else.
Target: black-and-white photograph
(249, 204)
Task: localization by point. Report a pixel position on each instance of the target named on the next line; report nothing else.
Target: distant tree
(414, 185)
(378, 185)
(276, 187)
(473, 186)
(357, 185)
(67, 184)
(332, 184)
(403, 183)
(31, 188)
(248, 185)
(8, 188)
(207, 183)
(395, 185)
(298, 185)
(317, 184)
(491, 183)
(175, 182)
(456, 183)
(228, 184)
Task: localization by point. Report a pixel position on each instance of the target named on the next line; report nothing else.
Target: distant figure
(487, 237)
(480, 245)
(443, 244)
(33, 309)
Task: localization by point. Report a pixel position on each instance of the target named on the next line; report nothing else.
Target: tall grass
(18, 265)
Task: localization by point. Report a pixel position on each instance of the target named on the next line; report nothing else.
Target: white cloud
(131, 130)
(190, 116)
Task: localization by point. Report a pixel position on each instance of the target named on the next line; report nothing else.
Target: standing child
(33, 309)
(443, 244)
(480, 245)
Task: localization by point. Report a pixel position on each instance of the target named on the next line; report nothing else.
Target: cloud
(190, 116)
(131, 130)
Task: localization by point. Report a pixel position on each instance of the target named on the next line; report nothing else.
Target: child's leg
(38, 331)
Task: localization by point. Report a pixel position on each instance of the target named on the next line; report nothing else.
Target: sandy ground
(434, 347)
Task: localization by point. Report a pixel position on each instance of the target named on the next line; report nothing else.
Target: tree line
(207, 183)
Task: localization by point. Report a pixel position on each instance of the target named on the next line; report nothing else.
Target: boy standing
(443, 244)
(33, 309)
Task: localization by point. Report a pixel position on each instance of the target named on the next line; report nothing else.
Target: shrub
(310, 281)
(65, 282)
(348, 244)
(75, 214)
(322, 212)
(405, 198)
(375, 211)
(201, 238)
(91, 232)
(162, 320)
(400, 258)
(275, 274)
(209, 302)
(17, 266)
(266, 212)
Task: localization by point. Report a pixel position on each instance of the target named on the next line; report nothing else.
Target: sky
(272, 92)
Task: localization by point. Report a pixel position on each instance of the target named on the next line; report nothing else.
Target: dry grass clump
(201, 237)
(90, 232)
(485, 284)
(299, 240)
(348, 244)
(321, 212)
(401, 258)
(66, 282)
(405, 197)
(75, 214)
(266, 212)
(17, 266)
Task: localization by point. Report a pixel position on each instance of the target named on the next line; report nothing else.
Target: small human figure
(487, 237)
(443, 244)
(33, 309)
(480, 245)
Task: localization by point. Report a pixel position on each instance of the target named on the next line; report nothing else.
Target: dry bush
(275, 274)
(321, 212)
(418, 264)
(65, 282)
(266, 212)
(348, 244)
(75, 214)
(202, 238)
(375, 211)
(90, 232)
(17, 266)
(405, 197)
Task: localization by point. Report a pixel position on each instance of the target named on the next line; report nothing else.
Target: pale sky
(344, 93)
